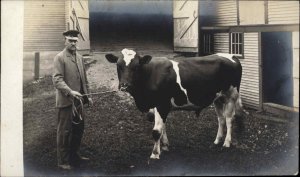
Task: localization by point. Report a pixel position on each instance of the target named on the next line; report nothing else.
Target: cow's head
(129, 66)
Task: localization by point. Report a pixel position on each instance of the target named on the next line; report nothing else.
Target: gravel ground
(118, 138)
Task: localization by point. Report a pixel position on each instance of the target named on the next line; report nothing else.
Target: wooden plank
(37, 66)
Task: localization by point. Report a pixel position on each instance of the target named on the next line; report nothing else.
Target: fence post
(37, 66)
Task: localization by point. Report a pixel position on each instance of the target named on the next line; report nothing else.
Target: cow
(160, 85)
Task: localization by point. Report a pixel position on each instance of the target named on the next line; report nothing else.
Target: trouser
(69, 134)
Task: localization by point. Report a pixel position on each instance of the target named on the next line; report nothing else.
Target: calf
(159, 85)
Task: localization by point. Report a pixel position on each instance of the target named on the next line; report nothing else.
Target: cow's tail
(240, 114)
(238, 74)
(239, 107)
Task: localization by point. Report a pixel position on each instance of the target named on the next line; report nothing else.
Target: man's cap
(71, 34)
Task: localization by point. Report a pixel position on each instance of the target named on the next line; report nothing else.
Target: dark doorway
(143, 25)
(277, 68)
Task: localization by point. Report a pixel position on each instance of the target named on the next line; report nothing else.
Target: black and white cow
(159, 85)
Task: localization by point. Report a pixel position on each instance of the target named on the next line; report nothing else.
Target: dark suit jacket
(66, 77)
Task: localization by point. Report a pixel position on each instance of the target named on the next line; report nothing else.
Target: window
(237, 44)
(208, 43)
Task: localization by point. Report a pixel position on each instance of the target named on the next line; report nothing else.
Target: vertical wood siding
(250, 78)
(44, 22)
(283, 12)
(226, 13)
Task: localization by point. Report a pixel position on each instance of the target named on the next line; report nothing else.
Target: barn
(265, 35)
(44, 22)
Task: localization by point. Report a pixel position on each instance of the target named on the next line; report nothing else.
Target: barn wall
(207, 12)
(250, 78)
(142, 25)
(252, 12)
(44, 22)
(283, 12)
(221, 42)
(226, 13)
(296, 68)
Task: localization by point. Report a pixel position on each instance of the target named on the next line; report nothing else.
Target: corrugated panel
(226, 13)
(44, 22)
(250, 78)
(283, 12)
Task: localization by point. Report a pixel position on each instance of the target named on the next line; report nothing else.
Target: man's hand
(76, 95)
(91, 103)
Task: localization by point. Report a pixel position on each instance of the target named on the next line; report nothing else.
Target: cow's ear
(145, 59)
(111, 58)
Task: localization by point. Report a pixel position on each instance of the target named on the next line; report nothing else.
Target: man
(70, 81)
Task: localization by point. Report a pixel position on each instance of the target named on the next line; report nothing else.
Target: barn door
(80, 19)
(185, 16)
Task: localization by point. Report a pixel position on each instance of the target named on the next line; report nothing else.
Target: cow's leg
(159, 129)
(229, 113)
(165, 141)
(221, 126)
(150, 115)
(156, 133)
(221, 120)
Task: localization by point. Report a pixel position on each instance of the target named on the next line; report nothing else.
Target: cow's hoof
(165, 147)
(154, 156)
(150, 116)
(226, 144)
(216, 142)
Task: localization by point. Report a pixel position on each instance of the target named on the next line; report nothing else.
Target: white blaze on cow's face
(226, 55)
(128, 55)
(128, 68)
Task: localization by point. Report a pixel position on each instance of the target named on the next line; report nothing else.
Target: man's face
(71, 44)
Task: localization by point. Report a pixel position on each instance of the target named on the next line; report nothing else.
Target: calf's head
(129, 66)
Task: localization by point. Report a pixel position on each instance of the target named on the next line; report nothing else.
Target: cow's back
(203, 77)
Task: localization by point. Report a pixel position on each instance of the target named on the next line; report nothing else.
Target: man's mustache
(74, 46)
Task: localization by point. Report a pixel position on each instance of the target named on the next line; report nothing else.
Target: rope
(75, 109)
(75, 112)
(98, 93)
